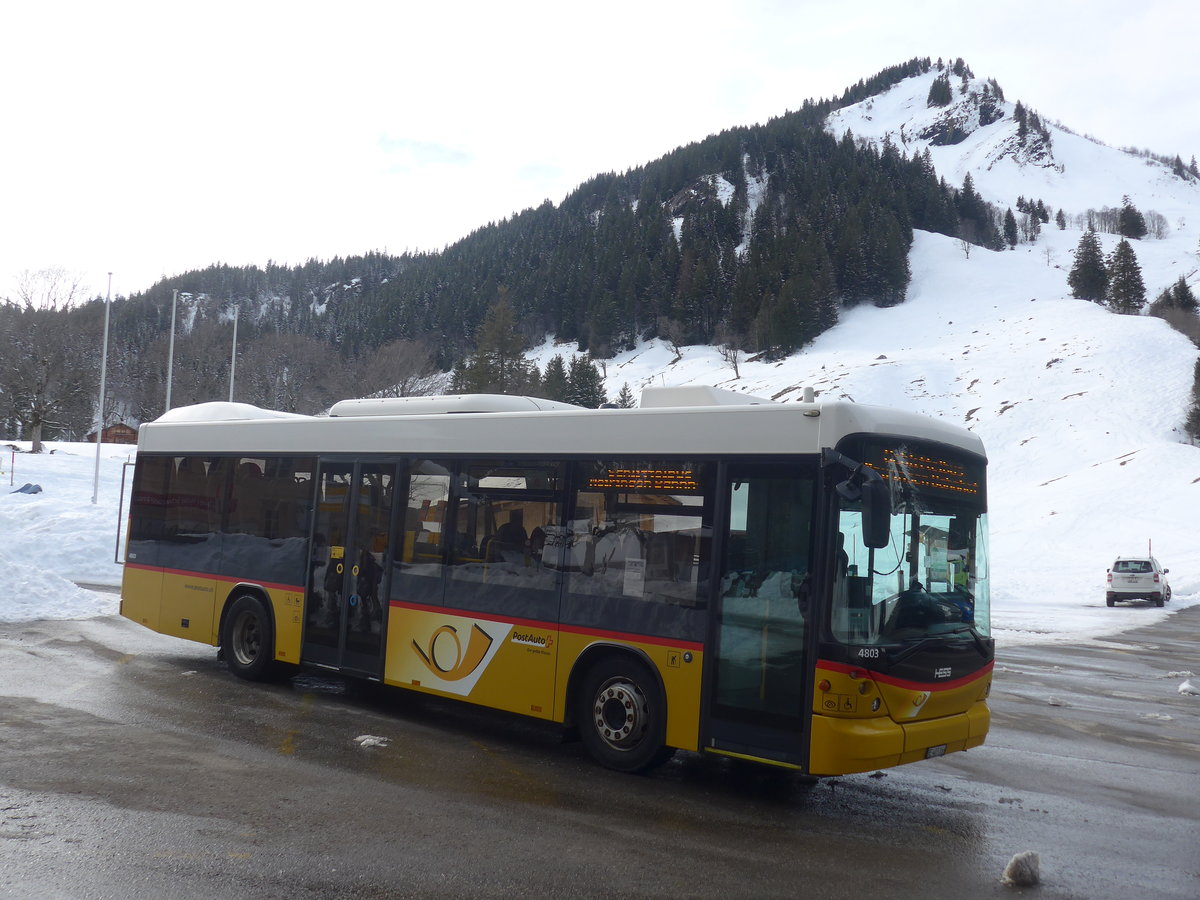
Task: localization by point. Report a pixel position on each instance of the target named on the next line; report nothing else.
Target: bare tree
(46, 363)
(967, 232)
(402, 368)
(54, 288)
(730, 344)
(44, 373)
(1156, 224)
(673, 332)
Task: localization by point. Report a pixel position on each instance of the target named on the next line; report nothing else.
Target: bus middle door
(345, 610)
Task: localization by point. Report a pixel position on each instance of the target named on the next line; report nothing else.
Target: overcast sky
(147, 139)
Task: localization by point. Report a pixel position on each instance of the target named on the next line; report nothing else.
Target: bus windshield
(931, 579)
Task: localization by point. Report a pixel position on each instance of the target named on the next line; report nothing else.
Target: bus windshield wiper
(909, 650)
(934, 638)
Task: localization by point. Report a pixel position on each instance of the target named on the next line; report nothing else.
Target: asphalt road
(133, 765)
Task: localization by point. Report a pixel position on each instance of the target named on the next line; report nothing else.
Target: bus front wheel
(248, 641)
(621, 715)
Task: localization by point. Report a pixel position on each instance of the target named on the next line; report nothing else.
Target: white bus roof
(702, 423)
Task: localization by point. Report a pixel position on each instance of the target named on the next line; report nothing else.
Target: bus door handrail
(120, 515)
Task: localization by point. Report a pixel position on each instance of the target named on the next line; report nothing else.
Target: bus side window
(424, 517)
(149, 509)
(189, 497)
(502, 513)
(639, 531)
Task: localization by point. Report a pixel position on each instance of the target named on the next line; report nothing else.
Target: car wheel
(1110, 601)
(1158, 601)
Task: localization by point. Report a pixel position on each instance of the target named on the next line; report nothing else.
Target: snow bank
(55, 538)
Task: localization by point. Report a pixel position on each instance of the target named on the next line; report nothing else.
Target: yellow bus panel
(288, 606)
(485, 660)
(188, 602)
(141, 592)
(860, 723)
(846, 746)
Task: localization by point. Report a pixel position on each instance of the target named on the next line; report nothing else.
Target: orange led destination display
(674, 480)
(928, 472)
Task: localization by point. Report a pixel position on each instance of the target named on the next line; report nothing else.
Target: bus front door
(761, 677)
(345, 613)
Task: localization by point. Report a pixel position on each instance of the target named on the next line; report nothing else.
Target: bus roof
(701, 423)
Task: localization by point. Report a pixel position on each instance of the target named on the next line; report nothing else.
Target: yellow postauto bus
(799, 584)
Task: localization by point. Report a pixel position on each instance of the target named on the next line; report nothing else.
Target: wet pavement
(134, 765)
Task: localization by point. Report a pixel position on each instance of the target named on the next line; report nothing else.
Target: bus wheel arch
(248, 634)
(619, 708)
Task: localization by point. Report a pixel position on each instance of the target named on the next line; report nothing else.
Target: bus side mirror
(876, 513)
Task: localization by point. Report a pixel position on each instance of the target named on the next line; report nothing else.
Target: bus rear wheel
(248, 639)
(621, 714)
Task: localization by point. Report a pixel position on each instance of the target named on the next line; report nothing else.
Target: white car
(1138, 578)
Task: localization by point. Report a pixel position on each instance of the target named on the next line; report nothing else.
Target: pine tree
(1192, 424)
(498, 365)
(1010, 229)
(939, 92)
(1130, 222)
(555, 384)
(1182, 296)
(975, 217)
(1088, 278)
(1060, 219)
(586, 385)
(625, 397)
(1126, 289)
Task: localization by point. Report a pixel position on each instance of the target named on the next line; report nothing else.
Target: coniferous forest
(763, 232)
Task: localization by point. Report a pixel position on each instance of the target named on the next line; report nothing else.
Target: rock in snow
(1023, 870)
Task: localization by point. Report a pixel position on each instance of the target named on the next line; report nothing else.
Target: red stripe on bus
(554, 626)
(846, 669)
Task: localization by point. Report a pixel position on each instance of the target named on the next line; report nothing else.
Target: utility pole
(233, 359)
(100, 410)
(171, 349)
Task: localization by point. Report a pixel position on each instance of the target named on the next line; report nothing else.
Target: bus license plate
(933, 752)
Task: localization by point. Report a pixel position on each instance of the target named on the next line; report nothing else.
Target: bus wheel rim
(620, 714)
(246, 639)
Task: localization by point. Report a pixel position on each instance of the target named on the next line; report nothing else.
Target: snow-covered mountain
(1080, 409)
(1066, 170)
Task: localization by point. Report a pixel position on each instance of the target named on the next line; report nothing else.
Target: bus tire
(248, 639)
(621, 715)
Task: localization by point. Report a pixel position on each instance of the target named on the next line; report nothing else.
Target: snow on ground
(51, 540)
